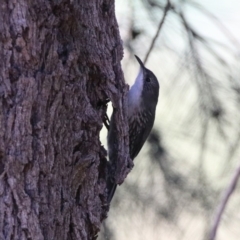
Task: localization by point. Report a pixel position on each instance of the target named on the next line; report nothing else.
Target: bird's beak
(139, 61)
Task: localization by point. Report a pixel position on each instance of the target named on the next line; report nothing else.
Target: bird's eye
(148, 80)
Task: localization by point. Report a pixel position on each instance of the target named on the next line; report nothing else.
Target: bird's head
(145, 89)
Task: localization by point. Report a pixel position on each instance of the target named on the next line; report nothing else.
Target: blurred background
(190, 157)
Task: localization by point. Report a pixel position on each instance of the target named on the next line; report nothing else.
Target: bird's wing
(138, 133)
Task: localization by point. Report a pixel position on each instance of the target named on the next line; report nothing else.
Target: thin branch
(228, 192)
(166, 9)
(220, 25)
(205, 85)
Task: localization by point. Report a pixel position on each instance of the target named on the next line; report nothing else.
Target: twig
(228, 192)
(220, 25)
(166, 9)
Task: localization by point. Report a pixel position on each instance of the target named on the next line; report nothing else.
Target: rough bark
(60, 61)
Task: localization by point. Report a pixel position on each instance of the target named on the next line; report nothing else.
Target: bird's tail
(111, 191)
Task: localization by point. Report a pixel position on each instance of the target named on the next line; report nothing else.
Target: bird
(142, 102)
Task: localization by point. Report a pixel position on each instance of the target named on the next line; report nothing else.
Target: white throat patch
(135, 92)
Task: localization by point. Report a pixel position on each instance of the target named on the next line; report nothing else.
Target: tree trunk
(60, 61)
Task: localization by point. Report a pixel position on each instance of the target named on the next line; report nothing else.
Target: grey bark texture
(59, 62)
